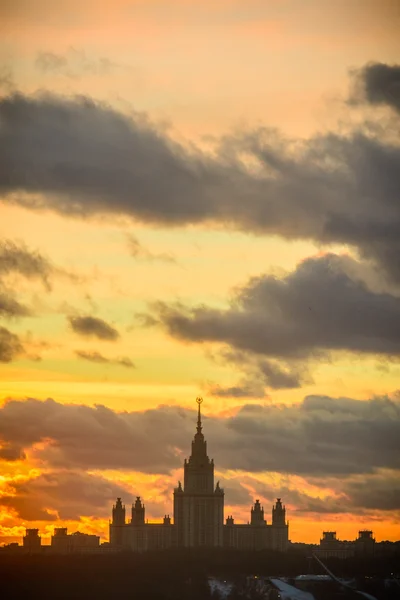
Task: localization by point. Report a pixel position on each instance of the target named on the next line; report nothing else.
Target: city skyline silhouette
(200, 200)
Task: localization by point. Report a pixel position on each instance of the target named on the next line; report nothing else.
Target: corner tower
(198, 506)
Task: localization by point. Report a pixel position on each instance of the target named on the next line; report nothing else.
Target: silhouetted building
(32, 541)
(63, 543)
(198, 514)
(258, 534)
(365, 543)
(330, 546)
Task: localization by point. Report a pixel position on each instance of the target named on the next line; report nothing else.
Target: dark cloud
(244, 389)
(379, 491)
(379, 83)
(17, 258)
(65, 495)
(257, 374)
(278, 378)
(88, 159)
(138, 251)
(320, 437)
(93, 326)
(96, 357)
(321, 306)
(10, 346)
(124, 361)
(9, 306)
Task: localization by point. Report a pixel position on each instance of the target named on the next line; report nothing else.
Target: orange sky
(199, 199)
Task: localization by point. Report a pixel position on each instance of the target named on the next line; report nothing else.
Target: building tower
(280, 528)
(257, 514)
(198, 507)
(32, 542)
(138, 512)
(117, 524)
(278, 513)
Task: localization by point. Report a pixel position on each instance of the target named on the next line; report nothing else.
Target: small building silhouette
(63, 543)
(32, 542)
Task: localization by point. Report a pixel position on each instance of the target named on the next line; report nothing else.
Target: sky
(200, 199)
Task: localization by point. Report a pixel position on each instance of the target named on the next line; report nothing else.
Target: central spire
(199, 427)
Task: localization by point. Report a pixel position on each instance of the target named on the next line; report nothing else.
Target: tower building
(198, 507)
(198, 514)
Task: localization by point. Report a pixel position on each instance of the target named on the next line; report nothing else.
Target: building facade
(331, 546)
(32, 542)
(198, 515)
(64, 543)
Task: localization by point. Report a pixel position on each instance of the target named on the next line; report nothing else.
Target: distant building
(330, 546)
(32, 541)
(365, 543)
(198, 515)
(63, 543)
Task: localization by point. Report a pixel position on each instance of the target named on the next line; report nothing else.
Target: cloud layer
(61, 494)
(274, 326)
(79, 158)
(321, 436)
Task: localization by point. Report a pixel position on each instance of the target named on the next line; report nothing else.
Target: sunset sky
(200, 198)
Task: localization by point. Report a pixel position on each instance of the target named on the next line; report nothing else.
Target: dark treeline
(171, 575)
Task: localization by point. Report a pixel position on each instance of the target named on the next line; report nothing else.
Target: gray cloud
(378, 492)
(10, 346)
(246, 388)
(320, 437)
(87, 159)
(379, 83)
(71, 494)
(17, 258)
(258, 373)
(319, 307)
(94, 327)
(9, 306)
(96, 357)
(138, 251)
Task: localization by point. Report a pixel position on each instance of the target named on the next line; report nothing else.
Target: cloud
(62, 494)
(17, 258)
(10, 346)
(93, 327)
(138, 251)
(244, 389)
(9, 306)
(258, 373)
(380, 491)
(48, 62)
(378, 83)
(96, 357)
(319, 307)
(74, 64)
(7, 83)
(82, 158)
(320, 437)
